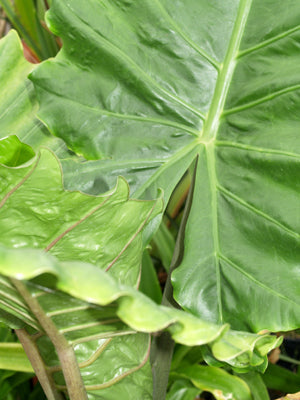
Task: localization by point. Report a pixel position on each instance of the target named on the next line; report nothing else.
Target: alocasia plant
(141, 89)
(148, 85)
(37, 213)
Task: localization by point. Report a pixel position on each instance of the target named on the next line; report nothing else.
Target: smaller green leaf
(256, 384)
(182, 389)
(216, 381)
(133, 308)
(279, 378)
(13, 152)
(243, 349)
(13, 357)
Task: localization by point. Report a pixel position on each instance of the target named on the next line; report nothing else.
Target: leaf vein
(172, 160)
(266, 43)
(70, 228)
(247, 147)
(261, 100)
(118, 378)
(132, 238)
(214, 208)
(257, 282)
(87, 325)
(131, 117)
(257, 211)
(22, 181)
(188, 40)
(120, 54)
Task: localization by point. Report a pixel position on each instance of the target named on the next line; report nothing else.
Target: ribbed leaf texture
(161, 81)
(81, 281)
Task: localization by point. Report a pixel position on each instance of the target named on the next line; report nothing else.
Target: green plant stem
(289, 359)
(161, 358)
(44, 377)
(65, 351)
(163, 346)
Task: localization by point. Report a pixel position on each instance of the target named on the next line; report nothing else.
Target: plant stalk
(163, 345)
(44, 377)
(65, 351)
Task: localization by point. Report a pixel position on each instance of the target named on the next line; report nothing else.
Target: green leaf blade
(69, 216)
(13, 358)
(219, 382)
(19, 105)
(166, 90)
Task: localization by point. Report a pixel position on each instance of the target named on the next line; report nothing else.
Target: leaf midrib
(212, 122)
(211, 127)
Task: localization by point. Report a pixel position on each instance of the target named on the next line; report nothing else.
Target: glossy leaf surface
(217, 381)
(182, 390)
(37, 212)
(63, 223)
(104, 315)
(158, 82)
(256, 384)
(125, 303)
(13, 152)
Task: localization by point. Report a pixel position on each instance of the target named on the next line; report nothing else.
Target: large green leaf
(158, 82)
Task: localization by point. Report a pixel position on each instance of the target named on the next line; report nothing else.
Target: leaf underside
(159, 82)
